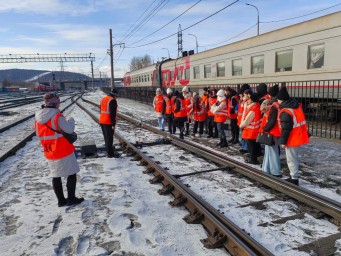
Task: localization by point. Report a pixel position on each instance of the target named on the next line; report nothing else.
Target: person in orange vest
(59, 152)
(219, 110)
(250, 124)
(262, 90)
(188, 99)
(107, 120)
(158, 104)
(168, 110)
(204, 97)
(232, 104)
(210, 116)
(241, 106)
(269, 108)
(294, 132)
(199, 114)
(180, 113)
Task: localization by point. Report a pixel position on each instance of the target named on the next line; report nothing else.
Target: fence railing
(321, 102)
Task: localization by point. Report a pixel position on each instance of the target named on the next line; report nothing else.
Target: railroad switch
(156, 179)
(166, 189)
(179, 201)
(214, 240)
(194, 218)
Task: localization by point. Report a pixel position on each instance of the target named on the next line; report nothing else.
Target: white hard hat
(158, 90)
(185, 89)
(169, 90)
(221, 93)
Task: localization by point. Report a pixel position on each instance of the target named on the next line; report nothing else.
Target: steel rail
(23, 142)
(319, 202)
(222, 232)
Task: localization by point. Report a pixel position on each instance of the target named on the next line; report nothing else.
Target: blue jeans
(271, 162)
(161, 123)
(221, 131)
(292, 160)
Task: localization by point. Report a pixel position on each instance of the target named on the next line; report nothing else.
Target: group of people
(272, 112)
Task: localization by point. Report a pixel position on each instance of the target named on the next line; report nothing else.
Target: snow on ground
(122, 213)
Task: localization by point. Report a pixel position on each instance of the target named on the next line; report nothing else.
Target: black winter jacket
(234, 101)
(286, 120)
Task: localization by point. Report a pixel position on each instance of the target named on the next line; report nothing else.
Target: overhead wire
(301, 15)
(150, 15)
(167, 23)
(186, 27)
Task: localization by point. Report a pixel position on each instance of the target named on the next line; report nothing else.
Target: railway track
(314, 204)
(27, 136)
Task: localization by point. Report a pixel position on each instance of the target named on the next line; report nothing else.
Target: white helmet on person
(221, 93)
(185, 89)
(169, 90)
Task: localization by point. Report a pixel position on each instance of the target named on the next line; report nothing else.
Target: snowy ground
(123, 214)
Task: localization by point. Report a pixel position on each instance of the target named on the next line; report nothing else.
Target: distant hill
(28, 75)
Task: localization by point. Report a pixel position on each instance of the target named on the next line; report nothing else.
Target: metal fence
(321, 102)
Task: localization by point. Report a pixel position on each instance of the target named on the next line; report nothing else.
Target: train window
(196, 72)
(172, 75)
(179, 74)
(284, 61)
(207, 71)
(257, 64)
(237, 69)
(316, 56)
(221, 69)
(187, 73)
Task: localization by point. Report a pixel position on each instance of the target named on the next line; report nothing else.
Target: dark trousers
(70, 185)
(234, 130)
(212, 126)
(254, 149)
(171, 127)
(180, 123)
(108, 135)
(199, 124)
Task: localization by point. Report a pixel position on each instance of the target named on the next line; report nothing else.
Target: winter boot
(187, 129)
(182, 133)
(71, 190)
(224, 144)
(58, 190)
(220, 142)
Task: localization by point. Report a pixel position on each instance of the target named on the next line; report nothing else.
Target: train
(304, 57)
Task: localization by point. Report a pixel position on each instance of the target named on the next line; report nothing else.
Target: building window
(172, 75)
(207, 71)
(221, 69)
(237, 69)
(316, 56)
(257, 64)
(196, 72)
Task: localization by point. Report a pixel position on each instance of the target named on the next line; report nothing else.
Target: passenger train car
(302, 56)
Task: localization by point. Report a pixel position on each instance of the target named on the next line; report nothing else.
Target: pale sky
(82, 26)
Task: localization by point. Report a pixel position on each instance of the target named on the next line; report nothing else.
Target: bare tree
(140, 62)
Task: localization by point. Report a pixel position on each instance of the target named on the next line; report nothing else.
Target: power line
(168, 23)
(186, 27)
(150, 15)
(301, 15)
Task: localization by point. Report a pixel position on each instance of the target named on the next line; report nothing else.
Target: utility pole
(92, 73)
(111, 61)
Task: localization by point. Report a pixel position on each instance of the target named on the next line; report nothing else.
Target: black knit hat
(273, 91)
(254, 97)
(243, 88)
(205, 89)
(283, 94)
(262, 89)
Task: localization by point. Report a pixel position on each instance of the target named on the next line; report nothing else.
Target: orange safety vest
(250, 132)
(187, 103)
(275, 131)
(104, 117)
(170, 105)
(158, 100)
(299, 134)
(211, 102)
(54, 144)
(204, 98)
(230, 107)
(182, 112)
(221, 115)
(266, 97)
(196, 111)
(241, 106)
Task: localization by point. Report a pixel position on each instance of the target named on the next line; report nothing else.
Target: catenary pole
(111, 61)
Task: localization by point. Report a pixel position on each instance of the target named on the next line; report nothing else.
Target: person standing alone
(107, 120)
(48, 124)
